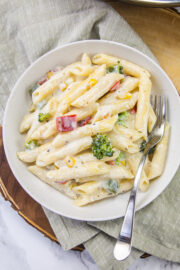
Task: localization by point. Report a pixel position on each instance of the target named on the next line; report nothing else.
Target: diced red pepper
(43, 80)
(63, 182)
(111, 162)
(115, 86)
(66, 123)
(134, 110)
(84, 122)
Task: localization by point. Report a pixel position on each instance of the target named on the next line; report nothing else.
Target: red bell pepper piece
(115, 86)
(84, 122)
(134, 110)
(111, 162)
(43, 80)
(66, 123)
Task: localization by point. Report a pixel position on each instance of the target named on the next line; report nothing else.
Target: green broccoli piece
(44, 117)
(120, 158)
(122, 117)
(101, 146)
(31, 144)
(35, 86)
(111, 186)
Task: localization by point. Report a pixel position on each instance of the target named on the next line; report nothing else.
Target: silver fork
(123, 245)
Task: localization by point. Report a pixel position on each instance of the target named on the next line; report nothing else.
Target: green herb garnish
(142, 146)
(44, 117)
(111, 186)
(116, 69)
(35, 86)
(31, 144)
(120, 158)
(101, 146)
(122, 117)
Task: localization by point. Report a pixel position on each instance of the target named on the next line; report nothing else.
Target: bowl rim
(7, 109)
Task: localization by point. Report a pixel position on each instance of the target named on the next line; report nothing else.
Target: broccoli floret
(101, 146)
(31, 144)
(44, 117)
(120, 158)
(111, 186)
(122, 117)
(35, 86)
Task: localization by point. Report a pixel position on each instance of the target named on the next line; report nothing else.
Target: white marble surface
(24, 248)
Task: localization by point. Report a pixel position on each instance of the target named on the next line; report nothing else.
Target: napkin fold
(28, 30)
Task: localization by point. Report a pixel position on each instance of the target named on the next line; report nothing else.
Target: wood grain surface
(160, 29)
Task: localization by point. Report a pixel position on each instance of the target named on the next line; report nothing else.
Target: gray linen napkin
(28, 30)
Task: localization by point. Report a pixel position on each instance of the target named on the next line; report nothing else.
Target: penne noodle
(85, 59)
(92, 168)
(97, 91)
(158, 161)
(128, 67)
(30, 156)
(115, 108)
(123, 143)
(26, 122)
(151, 119)
(42, 174)
(116, 172)
(143, 105)
(79, 89)
(129, 133)
(127, 85)
(45, 158)
(84, 199)
(133, 161)
(103, 126)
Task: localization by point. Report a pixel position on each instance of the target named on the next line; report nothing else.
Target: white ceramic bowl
(18, 105)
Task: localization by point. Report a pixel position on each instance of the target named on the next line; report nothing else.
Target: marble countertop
(24, 248)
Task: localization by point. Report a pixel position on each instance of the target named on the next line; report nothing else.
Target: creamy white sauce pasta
(87, 127)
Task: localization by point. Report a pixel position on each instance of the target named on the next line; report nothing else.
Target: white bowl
(18, 105)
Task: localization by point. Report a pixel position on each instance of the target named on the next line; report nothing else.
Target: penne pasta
(127, 85)
(123, 143)
(115, 108)
(97, 91)
(129, 133)
(151, 119)
(92, 168)
(84, 199)
(42, 174)
(157, 164)
(87, 127)
(143, 104)
(45, 158)
(103, 126)
(128, 67)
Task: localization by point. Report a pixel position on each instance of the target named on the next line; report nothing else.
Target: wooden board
(160, 29)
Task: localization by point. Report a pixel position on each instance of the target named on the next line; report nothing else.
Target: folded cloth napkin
(28, 30)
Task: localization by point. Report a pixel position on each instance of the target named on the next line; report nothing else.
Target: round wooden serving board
(160, 29)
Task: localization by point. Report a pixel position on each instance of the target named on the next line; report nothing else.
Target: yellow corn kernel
(126, 96)
(71, 185)
(70, 161)
(92, 82)
(49, 74)
(32, 107)
(63, 86)
(56, 167)
(123, 162)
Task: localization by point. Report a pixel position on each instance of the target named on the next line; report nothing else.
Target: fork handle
(122, 248)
